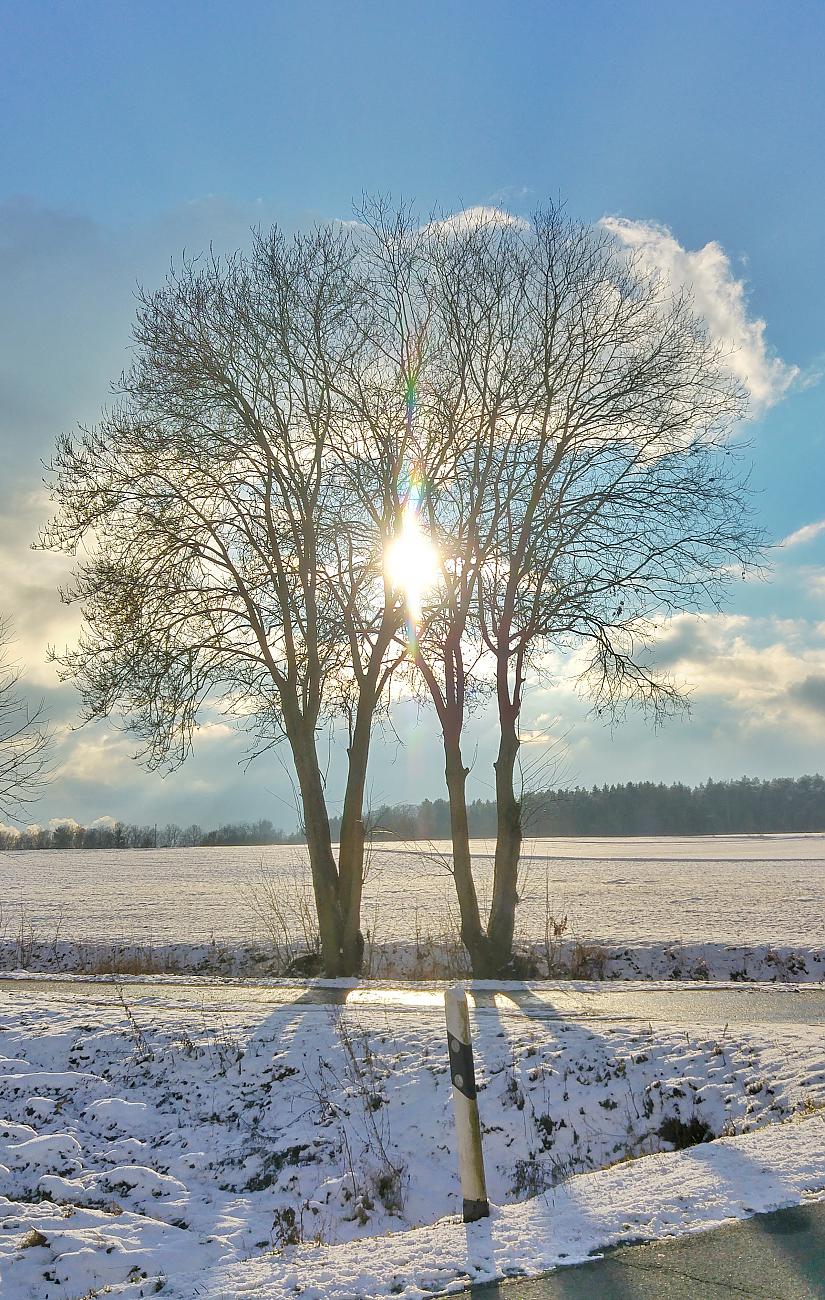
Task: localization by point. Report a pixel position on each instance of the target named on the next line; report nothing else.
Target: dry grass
(285, 909)
(135, 961)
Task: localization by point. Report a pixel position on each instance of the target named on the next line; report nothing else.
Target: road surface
(779, 1255)
(623, 1000)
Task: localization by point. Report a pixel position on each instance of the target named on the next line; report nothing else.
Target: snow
(752, 890)
(732, 908)
(246, 1147)
(659, 1196)
(433, 958)
(281, 1150)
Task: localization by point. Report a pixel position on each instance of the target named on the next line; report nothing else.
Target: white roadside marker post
(465, 1106)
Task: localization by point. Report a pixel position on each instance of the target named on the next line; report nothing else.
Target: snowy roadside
(143, 1142)
(431, 958)
(657, 1196)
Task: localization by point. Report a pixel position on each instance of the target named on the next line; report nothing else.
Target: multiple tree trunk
(566, 419)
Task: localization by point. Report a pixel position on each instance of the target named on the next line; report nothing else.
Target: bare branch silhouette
(25, 738)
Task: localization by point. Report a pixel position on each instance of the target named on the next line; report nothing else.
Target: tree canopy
(445, 450)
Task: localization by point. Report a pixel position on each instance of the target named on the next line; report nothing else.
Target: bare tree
(592, 492)
(465, 386)
(24, 738)
(228, 559)
(554, 420)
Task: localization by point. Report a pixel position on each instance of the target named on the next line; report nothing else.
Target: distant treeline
(106, 833)
(638, 808)
(746, 806)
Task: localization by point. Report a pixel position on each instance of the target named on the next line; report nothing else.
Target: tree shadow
(624, 1274)
(509, 1005)
(617, 1277)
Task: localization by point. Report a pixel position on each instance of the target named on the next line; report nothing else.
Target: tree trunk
(508, 849)
(319, 843)
(472, 933)
(351, 846)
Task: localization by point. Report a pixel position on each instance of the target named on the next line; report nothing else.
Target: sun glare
(411, 562)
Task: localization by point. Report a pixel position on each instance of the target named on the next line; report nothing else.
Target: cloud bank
(758, 685)
(771, 670)
(719, 297)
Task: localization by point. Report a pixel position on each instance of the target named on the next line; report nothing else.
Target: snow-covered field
(727, 907)
(220, 1149)
(751, 889)
(190, 1151)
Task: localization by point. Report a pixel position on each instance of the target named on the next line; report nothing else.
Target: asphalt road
(625, 1000)
(779, 1256)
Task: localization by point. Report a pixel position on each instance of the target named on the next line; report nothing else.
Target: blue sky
(132, 131)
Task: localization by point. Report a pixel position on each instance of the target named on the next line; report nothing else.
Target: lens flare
(411, 563)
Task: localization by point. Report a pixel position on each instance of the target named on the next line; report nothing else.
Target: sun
(411, 562)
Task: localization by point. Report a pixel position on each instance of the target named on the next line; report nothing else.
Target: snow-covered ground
(658, 1196)
(564, 957)
(746, 889)
(214, 1150)
(726, 907)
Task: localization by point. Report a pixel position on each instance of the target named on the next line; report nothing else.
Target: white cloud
(104, 823)
(105, 758)
(771, 670)
(511, 194)
(111, 762)
(30, 582)
(479, 215)
(719, 297)
(209, 732)
(806, 533)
